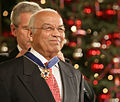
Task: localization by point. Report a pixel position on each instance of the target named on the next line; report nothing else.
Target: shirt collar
(19, 48)
(38, 55)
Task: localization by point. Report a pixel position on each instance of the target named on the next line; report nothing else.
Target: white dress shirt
(55, 69)
(19, 48)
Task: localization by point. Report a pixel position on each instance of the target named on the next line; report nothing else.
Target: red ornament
(87, 10)
(110, 12)
(72, 44)
(116, 36)
(95, 82)
(99, 13)
(78, 23)
(93, 52)
(108, 43)
(104, 97)
(70, 22)
(96, 67)
(116, 39)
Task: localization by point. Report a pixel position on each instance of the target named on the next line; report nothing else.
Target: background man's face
(21, 31)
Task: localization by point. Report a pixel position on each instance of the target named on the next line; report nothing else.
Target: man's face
(20, 31)
(49, 33)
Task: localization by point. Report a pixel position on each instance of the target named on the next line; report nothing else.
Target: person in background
(29, 78)
(20, 16)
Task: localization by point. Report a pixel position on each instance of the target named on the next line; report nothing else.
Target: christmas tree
(92, 41)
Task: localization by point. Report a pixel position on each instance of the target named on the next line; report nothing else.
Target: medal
(45, 73)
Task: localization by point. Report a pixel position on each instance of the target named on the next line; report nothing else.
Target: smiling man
(48, 33)
(39, 75)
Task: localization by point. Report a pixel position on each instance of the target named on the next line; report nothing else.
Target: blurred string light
(96, 60)
(100, 1)
(76, 66)
(107, 37)
(4, 47)
(96, 75)
(89, 31)
(96, 44)
(110, 77)
(77, 53)
(95, 33)
(114, 100)
(42, 1)
(73, 28)
(117, 81)
(81, 32)
(105, 90)
(116, 7)
(116, 60)
(102, 56)
(5, 13)
(104, 46)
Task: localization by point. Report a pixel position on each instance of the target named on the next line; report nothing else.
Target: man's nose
(56, 32)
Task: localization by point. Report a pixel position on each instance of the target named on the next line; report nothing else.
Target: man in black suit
(21, 79)
(20, 16)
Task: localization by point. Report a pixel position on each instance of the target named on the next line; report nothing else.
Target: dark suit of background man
(20, 16)
(20, 79)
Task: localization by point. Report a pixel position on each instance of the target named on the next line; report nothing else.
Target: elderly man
(39, 75)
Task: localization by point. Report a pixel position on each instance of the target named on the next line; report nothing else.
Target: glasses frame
(51, 28)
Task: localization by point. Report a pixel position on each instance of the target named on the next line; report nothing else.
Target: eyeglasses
(51, 28)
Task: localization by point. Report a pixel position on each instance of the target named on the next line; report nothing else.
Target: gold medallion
(45, 73)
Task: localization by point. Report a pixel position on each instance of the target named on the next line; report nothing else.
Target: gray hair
(23, 7)
(32, 18)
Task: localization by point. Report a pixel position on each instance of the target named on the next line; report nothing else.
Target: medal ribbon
(51, 63)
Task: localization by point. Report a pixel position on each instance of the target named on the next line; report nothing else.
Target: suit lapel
(34, 83)
(67, 82)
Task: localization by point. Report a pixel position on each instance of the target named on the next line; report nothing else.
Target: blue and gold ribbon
(45, 73)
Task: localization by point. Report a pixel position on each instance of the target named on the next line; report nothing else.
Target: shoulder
(11, 62)
(68, 68)
(10, 67)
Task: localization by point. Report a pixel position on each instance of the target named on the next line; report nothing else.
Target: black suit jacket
(20, 81)
(13, 53)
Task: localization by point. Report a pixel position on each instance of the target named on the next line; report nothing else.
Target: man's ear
(30, 36)
(13, 30)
